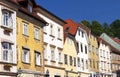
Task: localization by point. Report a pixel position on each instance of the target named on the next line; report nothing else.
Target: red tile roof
(116, 40)
(71, 27)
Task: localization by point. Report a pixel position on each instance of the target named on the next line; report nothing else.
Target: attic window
(30, 7)
(67, 28)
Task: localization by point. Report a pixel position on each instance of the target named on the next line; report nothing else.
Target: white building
(104, 59)
(82, 46)
(7, 39)
(53, 43)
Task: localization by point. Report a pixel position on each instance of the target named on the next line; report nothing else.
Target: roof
(116, 40)
(71, 27)
(24, 10)
(50, 14)
(111, 42)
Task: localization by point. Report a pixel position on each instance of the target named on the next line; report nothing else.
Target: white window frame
(60, 57)
(37, 58)
(51, 29)
(25, 28)
(26, 55)
(7, 52)
(52, 55)
(45, 52)
(59, 33)
(7, 19)
(36, 33)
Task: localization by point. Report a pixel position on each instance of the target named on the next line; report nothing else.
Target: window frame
(25, 28)
(37, 58)
(36, 33)
(25, 57)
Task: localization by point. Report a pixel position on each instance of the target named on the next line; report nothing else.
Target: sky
(78, 10)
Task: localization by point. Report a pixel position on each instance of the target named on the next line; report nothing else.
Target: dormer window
(30, 6)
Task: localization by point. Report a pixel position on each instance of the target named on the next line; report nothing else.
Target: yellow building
(70, 53)
(93, 56)
(29, 41)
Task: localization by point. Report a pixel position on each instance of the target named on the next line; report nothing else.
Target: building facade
(8, 60)
(82, 42)
(53, 43)
(93, 56)
(104, 59)
(29, 40)
(70, 52)
(115, 54)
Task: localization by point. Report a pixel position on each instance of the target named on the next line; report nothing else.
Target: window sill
(44, 32)
(26, 63)
(53, 61)
(7, 28)
(60, 62)
(59, 39)
(45, 59)
(38, 65)
(25, 35)
(52, 35)
(37, 39)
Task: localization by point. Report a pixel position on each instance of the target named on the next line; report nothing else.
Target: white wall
(83, 55)
(54, 41)
(11, 37)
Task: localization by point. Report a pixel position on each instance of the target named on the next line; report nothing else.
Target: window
(65, 59)
(37, 58)
(78, 59)
(79, 32)
(7, 52)
(25, 55)
(90, 63)
(30, 7)
(51, 30)
(7, 18)
(25, 28)
(60, 57)
(71, 60)
(58, 32)
(97, 52)
(74, 61)
(77, 47)
(86, 49)
(82, 64)
(52, 55)
(45, 52)
(36, 33)
(86, 64)
(81, 48)
(94, 63)
(82, 34)
(93, 49)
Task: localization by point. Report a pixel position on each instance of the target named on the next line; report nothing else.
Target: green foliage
(86, 23)
(97, 29)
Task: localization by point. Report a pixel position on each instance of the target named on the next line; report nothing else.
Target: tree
(86, 23)
(115, 28)
(96, 28)
(107, 29)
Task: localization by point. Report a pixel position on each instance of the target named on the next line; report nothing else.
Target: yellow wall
(70, 50)
(93, 54)
(29, 42)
